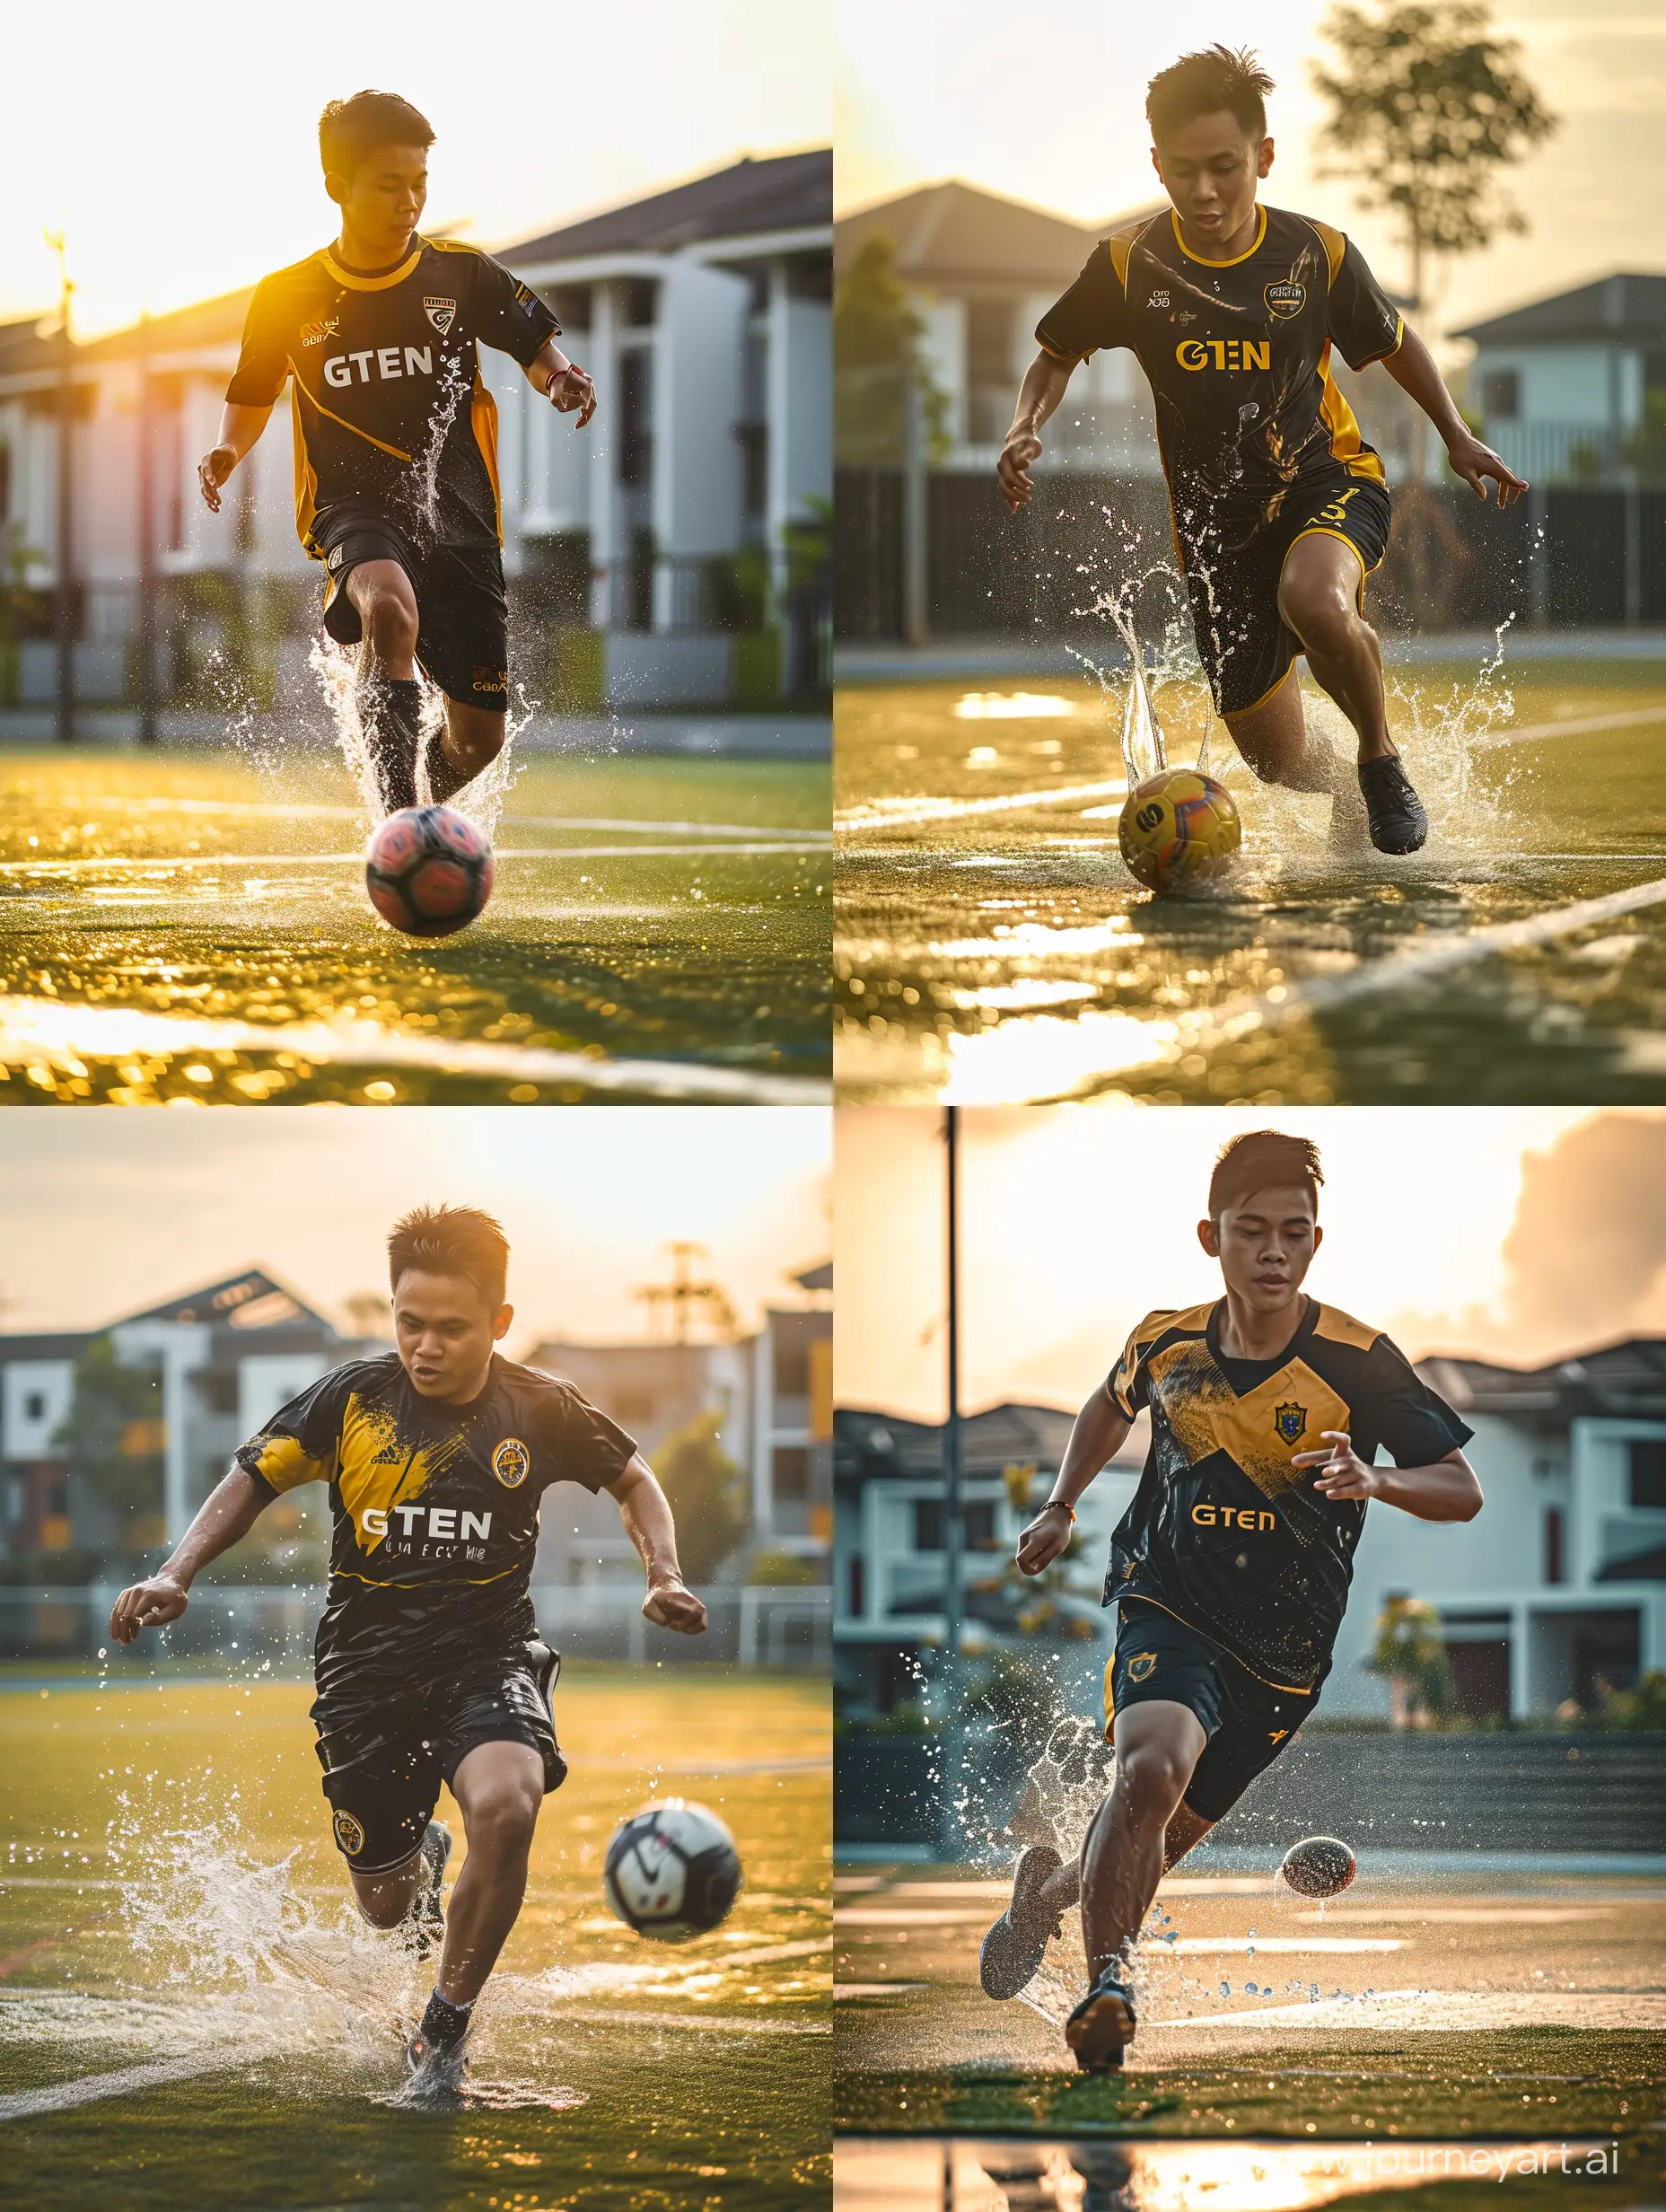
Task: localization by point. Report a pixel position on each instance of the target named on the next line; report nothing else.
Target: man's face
(445, 1332)
(1209, 170)
(382, 202)
(1265, 1242)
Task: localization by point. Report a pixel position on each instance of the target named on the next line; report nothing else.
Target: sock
(390, 717)
(445, 781)
(444, 2024)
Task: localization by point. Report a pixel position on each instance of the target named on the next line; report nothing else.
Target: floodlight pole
(145, 495)
(64, 543)
(952, 1739)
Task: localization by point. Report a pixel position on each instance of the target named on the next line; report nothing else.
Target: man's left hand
(672, 1605)
(1342, 1474)
(572, 393)
(1475, 463)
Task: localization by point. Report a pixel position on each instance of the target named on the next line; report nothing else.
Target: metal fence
(1569, 556)
(235, 1622)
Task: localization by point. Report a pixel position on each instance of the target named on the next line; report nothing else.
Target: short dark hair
(452, 1239)
(350, 129)
(1257, 1161)
(1220, 77)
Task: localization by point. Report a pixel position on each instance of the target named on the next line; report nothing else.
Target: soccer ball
(1178, 826)
(428, 870)
(1318, 1866)
(672, 1871)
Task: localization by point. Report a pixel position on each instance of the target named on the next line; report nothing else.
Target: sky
(175, 143)
(1053, 113)
(164, 1203)
(1519, 1234)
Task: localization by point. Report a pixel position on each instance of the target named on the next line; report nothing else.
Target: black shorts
(462, 616)
(1247, 1722)
(383, 1763)
(1233, 574)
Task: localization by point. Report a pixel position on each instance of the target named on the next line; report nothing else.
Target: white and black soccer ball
(672, 1871)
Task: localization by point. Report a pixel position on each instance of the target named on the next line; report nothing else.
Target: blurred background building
(673, 555)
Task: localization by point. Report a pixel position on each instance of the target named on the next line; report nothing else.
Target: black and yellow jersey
(436, 1508)
(1223, 1532)
(1237, 354)
(384, 375)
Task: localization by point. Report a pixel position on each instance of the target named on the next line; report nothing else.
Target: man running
(429, 1664)
(396, 442)
(1230, 1570)
(1280, 508)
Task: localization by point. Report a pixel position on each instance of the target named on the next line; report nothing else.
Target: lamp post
(952, 1761)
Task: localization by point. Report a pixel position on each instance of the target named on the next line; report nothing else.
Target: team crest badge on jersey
(1290, 1421)
(512, 1462)
(349, 1835)
(1141, 1665)
(1286, 297)
(441, 314)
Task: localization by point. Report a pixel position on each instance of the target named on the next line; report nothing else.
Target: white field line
(167, 866)
(910, 811)
(33, 1029)
(64, 2096)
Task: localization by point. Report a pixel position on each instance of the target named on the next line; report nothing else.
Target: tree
(707, 1493)
(1425, 107)
(876, 355)
(1410, 1650)
(112, 1437)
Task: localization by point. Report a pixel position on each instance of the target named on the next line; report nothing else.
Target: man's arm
(1412, 367)
(1098, 1435)
(1448, 1491)
(562, 383)
(646, 1513)
(226, 1516)
(239, 431)
(1046, 381)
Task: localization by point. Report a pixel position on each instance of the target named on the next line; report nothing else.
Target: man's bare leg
(1063, 1888)
(1157, 1743)
(471, 739)
(389, 695)
(499, 1787)
(1319, 599)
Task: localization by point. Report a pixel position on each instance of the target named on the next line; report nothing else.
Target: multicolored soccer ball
(672, 1871)
(1318, 1866)
(428, 870)
(1178, 827)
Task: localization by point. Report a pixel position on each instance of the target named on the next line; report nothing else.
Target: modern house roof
(1627, 1379)
(780, 192)
(252, 1300)
(866, 1445)
(1627, 306)
(954, 234)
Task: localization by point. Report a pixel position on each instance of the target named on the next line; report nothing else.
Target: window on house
(1501, 395)
(35, 1406)
(1555, 1570)
(976, 1523)
(639, 302)
(636, 441)
(1648, 1473)
(790, 1471)
(792, 1365)
(858, 1585)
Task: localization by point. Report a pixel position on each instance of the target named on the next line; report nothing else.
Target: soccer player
(1230, 1570)
(1280, 508)
(396, 441)
(428, 1659)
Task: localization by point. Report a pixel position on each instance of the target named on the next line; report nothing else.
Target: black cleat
(1395, 812)
(437, 2070)
(425, 1921)
(1013, 1948)
(1102, 2025)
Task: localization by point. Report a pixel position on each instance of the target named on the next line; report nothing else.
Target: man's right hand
(212, 472)
(1046, 1539)
(1021, 447)
(148, 1604)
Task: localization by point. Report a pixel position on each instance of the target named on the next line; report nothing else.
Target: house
(1565, 384)
(227, 1356)
(773, 1393)
(704, 314)
(1556, 1589)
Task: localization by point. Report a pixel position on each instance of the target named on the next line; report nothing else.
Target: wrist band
(558, 376)
(1059, 1504)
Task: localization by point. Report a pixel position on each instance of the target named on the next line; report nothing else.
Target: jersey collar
(1232, 260)
(1303, 1329)
(374, 284)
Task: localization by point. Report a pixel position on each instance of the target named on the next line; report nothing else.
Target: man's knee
(1323, 616)
(1153, 1778)
(501, 1823)
(384, 1905)
(390, 621)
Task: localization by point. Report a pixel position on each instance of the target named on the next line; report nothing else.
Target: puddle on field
(879, 2174)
